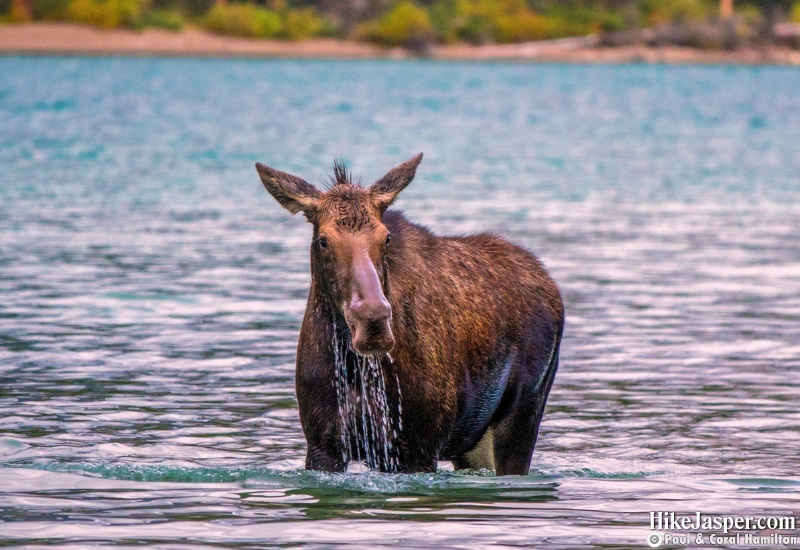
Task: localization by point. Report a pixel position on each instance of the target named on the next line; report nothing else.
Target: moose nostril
(373, 336)
(370, 310)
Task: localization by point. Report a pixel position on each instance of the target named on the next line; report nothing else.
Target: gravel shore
(66, 39)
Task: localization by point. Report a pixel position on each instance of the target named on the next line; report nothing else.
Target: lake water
(152, 294)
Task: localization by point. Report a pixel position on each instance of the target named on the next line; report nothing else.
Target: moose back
(414, 347)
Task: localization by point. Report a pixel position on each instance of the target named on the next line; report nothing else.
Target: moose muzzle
(370, 315)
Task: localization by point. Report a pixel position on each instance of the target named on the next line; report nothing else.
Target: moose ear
(386, 189)
(293, 193)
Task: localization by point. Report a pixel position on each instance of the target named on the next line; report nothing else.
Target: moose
(462, 332)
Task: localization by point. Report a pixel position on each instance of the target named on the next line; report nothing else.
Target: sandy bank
(64, 39)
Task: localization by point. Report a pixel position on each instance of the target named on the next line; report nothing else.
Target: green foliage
(242, 20)
(583, 18)
(107, 14)
(250, 21)
(657, 12)
(409, 23)
(330, 29)
(405, 24)
(480, 21)
(162, 19)
(267, 23)
(302, 24)
(522, 27)
(191, 8)
(751, 15)
(610, 22)
(443, 20)
(51, 10)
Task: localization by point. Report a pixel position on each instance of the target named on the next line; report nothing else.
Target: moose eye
(388, 238)
(323, 242)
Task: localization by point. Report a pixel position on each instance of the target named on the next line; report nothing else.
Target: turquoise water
(152, 294)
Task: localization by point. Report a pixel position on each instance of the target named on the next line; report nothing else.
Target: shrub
(162, 19)
(105, 13)
(658, 12)
(528, 26)
(609, 22)
(750, 15)
(268, 23)
(253, 22)
(476, 29)
(53, 10)
(329, 29)
(405, 24)
(445, 19)
(480, 21)
(302, 24)
(191, 8)
(521, 27)
(242, 20)
(581, 19)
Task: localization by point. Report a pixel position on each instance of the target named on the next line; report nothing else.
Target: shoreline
(62, 39)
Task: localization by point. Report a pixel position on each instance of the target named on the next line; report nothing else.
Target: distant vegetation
(421, 23)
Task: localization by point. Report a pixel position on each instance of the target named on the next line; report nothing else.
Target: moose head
(350, 243)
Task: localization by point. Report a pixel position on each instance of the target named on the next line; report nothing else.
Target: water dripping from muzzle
(368, 428)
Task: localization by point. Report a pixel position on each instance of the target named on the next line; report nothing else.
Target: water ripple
(152, 294)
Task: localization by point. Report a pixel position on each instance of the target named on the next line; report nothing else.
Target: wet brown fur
(476, 322)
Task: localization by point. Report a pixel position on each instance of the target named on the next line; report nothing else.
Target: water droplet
(367, 422)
